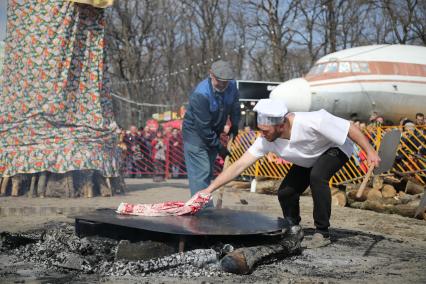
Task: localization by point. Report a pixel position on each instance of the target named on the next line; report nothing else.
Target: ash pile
(57, 247)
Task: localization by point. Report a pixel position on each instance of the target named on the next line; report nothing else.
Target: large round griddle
(208, 221)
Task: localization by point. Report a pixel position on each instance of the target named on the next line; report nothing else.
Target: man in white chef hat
(317, 143)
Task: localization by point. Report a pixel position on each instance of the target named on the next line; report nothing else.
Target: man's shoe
(318, 240)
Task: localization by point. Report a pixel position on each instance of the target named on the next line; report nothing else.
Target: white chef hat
(270, 112)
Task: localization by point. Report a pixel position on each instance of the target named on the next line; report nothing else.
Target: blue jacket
(208, 112)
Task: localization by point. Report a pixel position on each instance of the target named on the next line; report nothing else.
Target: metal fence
(139, 158)
(410, 158)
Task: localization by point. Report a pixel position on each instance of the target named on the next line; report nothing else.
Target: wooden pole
(41, 187)
(364, 182)
(4, 184)
(33, 192)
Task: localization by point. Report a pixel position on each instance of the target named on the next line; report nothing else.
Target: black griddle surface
(208, 221)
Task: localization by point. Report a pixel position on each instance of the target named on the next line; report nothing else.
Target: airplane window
(320, 68)
(344, 67)
(315, 70)
(355, 67)
(331, 67)
(364, 67)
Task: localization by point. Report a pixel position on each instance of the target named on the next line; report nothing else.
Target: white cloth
(312, 134)
(270, 112)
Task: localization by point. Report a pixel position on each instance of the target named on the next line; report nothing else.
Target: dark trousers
(317, 177)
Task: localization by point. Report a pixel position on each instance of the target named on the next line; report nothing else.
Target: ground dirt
(366, 246)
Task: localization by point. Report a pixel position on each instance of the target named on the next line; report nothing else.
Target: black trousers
(317, 177)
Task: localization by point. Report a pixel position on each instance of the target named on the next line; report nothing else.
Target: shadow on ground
(153, 185)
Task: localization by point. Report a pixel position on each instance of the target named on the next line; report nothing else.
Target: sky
(3, 6)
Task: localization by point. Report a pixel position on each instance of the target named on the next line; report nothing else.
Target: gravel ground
(367, 246)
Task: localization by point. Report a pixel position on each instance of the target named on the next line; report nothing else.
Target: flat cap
(222, 70)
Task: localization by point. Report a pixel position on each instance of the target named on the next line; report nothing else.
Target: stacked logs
(389, 194)
(80, 183)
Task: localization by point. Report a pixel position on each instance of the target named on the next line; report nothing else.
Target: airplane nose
(296, 93)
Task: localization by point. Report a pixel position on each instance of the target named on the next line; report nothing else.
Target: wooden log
(377, 182)
(16, 184)
(414, 188)
(390, 201)
(392, 180)
(59, 185)
(388, 191)
(118, 185)
(41, 186)
(238, 184)
(364, 182)
(4, 184)
(70, 190)
(243, 260)
(406, 198)
(32, 192)
(374, 194)
(84, 183)
(338, 197)
(375, 205)
(104, 189)
(352, 194)
(108, 182)
(407, 210)
(269, 186)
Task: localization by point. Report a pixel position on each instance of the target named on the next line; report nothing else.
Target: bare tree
(310, 34)
(401, 14)
(131, 48)
(273, 22)
(159, 50)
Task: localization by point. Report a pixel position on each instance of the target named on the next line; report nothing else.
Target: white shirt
(312, 134)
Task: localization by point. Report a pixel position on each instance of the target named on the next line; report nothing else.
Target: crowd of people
(413, 140)
(144, 151)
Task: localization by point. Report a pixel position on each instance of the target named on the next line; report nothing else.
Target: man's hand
(223, 152)
(373, 159)
(205, 191)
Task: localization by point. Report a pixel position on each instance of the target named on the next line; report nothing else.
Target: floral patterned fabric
(55, 108)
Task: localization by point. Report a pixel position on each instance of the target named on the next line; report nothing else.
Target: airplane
(387, 79)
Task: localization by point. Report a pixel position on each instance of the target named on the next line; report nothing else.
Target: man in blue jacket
(210, 104)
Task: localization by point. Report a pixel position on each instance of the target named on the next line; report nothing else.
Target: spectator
(420, 119)
(134, 154)
(176, 152)
(168, 132)
(380, 121)
(159, 146)
(372, 118)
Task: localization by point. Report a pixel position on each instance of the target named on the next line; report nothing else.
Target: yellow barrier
(409, 158)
